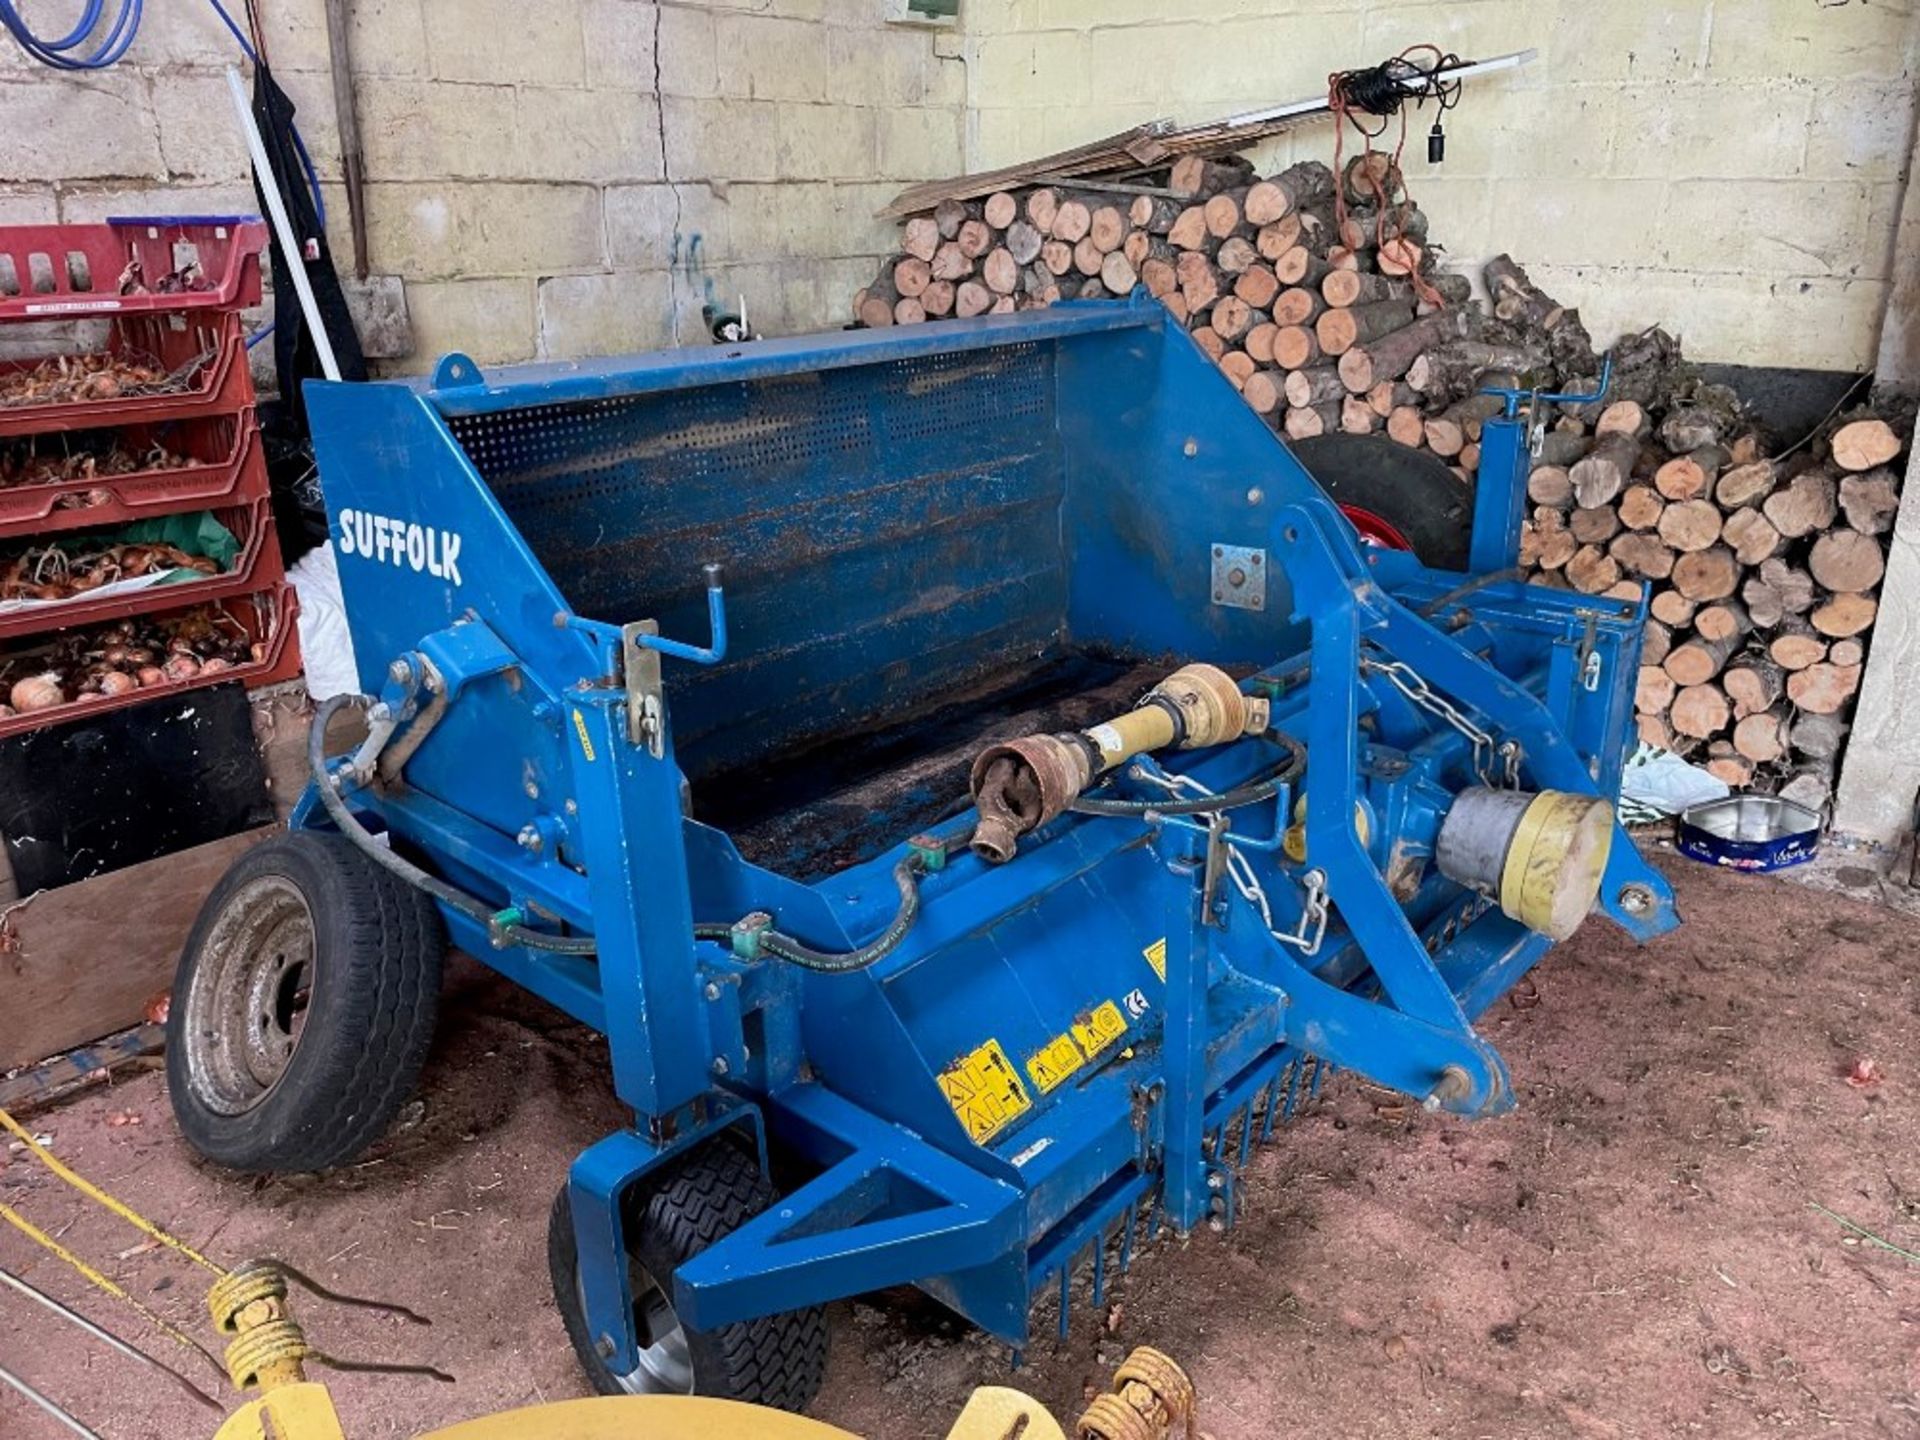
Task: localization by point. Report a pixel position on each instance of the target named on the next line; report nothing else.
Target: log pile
(1327, 312)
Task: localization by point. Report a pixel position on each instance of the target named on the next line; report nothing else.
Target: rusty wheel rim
(250, 995)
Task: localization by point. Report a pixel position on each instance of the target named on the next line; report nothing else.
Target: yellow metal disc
(1555, 860)
(657, 1417)
(291, 1412)
(996, 1412)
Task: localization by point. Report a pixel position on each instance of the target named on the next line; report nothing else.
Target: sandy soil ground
(1636, 1252)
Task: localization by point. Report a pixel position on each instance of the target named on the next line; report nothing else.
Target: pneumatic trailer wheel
(1398, 499)
(777, 1360)
(302, 1007)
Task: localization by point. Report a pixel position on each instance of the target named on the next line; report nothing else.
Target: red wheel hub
(1376, 530)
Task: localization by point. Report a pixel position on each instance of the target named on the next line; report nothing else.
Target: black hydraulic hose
(384, 856)
(1250, 793)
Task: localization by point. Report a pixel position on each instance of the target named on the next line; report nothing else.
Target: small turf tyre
(302, 1007)
(776, 1360)
(1423, 505)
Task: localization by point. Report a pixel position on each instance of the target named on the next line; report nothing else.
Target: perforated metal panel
(890, 532)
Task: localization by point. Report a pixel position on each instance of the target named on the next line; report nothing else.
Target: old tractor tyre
(1398, 499)
(302, 1007)
(776, 1360)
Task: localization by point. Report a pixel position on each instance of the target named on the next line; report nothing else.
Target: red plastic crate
(219, 384)
(255, 568)
(267, 618)
(61, 272)
(228, 467)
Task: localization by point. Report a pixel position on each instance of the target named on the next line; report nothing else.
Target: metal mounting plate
(646, 712)
(1240, 577)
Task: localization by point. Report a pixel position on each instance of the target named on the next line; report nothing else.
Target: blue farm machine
(972, 774)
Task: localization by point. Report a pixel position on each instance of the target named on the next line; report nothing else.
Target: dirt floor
(1636, 1252)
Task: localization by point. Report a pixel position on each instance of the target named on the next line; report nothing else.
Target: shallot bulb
(117, 682)
(214, 665)
(38, 692)
(150, 675)
(181, 667)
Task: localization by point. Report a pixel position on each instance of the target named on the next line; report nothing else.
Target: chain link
(1404, 678)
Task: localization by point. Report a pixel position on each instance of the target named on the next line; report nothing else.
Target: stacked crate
(83, 449)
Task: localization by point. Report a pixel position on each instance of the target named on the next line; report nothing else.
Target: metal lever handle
(711, 654)
(1515, 397)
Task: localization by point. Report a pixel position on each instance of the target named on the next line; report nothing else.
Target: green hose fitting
(744, 936)
(501, 923)
(929, 851)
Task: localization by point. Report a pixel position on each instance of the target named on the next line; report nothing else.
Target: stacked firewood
(1319, 298)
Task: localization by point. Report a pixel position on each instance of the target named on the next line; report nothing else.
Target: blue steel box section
(899, 515)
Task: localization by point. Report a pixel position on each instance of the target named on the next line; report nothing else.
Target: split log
(1818, 737)
(1300, 266)
(1275, 240)
(1209, 341)
(1761, 737)
(1294, 346)
(1071, 222)
(1238, 367)
(1189, 230)
(1107, 229)
(1405, 425)
(1387, 396)
(1710, 574)
(1223, 214)
(1751, 535)
(1653, 730)
(972, 298)
(1296, 306)
(1120, 277)
(949, 215)
(1315, 386)
(1795, 646)
(1400, 256)
(1087, 256)
(1196, 175)
(1357, 417)
(1864, 444)
(1023, 242)
(937, 299)
(1259, 341)
(1847, 652)
(1257, 286)
(975, 238)
(1699, 659)
(909, 311)
(1235, 255)
(920, 237)
(1042, 204)
(1603, 472)
(1753, 683)
(1810, 786)
(1595, 526)
(1303, 423)
(1342, 288)
(1550, 485)
(1592, 570)
(1723, 620)
(1745, 484)
(1160, 278)
(1199, 281)
(1000, 209)
(1562, 447)
(1623, 417)
(1640, 505)
(1690, 524)
(1390, 356)
(1232, 316)
(1823, 689)
(1846, 561)
(1643, 554)
(1656, 642)
(1339, 330)
(1735, 771)
(1793, 586)
(1693, 427)
(1000, 271)
(1870, 501)
(911, 276)
(1154, 214)
(1654, 692)
(1807, 504)
(1681, 478)
(1699, 711)
(1446, 439)
(1057, 256)
(1844, 615)
(1264, 391)
(1673, 608)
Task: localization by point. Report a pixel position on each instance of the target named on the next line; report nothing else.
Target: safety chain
(1308, 936)
(1404, 678)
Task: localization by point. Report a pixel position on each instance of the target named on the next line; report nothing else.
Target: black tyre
(1397, 498)
(777, 1360)
(302, 1007)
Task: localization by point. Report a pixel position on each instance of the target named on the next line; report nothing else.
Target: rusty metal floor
(834, 805)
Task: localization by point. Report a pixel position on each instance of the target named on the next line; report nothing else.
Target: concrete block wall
(1733, 169)
(571, 177)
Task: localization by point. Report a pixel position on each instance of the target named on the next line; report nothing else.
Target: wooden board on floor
(83, 961)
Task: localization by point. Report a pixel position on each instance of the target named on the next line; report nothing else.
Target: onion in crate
(37, 692)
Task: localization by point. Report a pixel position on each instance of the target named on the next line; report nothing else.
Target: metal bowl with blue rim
(1749, 832)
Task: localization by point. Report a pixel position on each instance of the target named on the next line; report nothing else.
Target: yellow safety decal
(1156, 954)
(580, 729)
(1058, 1059)
(1099, 1028)
(985, 1091)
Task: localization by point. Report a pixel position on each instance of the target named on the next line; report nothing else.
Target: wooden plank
(83, 961)
(62, 1074)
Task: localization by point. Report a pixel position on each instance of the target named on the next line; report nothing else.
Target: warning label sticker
(985, 1091)
(1099, 1028)
(1054, 1062)
(1156, 954)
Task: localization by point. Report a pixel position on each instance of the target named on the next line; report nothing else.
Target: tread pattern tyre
(776, 1360)
(378, 947)
(1412, 491)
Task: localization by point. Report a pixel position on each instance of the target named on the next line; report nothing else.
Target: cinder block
(173, 35)
(490, 320)
(617, 314)
(687, 53)
(1572, 220)
(1028, 71)
(29, 207)
(598, 135)
(825, 142)
(57, 129)
(724, 139)
(438, 129)
(1785, 227)
(620, 44)
(763, 57)
(199, 133)
(1500, 132)
(997, 137)
(1764, 38)
(506, 41)
(920, 144)
(446, 232)
(1713, 130)
(884, 65)
(1621, 40)
(1861, 130)
(650, 227)
(387, 37)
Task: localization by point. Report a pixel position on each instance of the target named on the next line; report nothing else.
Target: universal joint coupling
(1539, 855)
(1021, 784)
